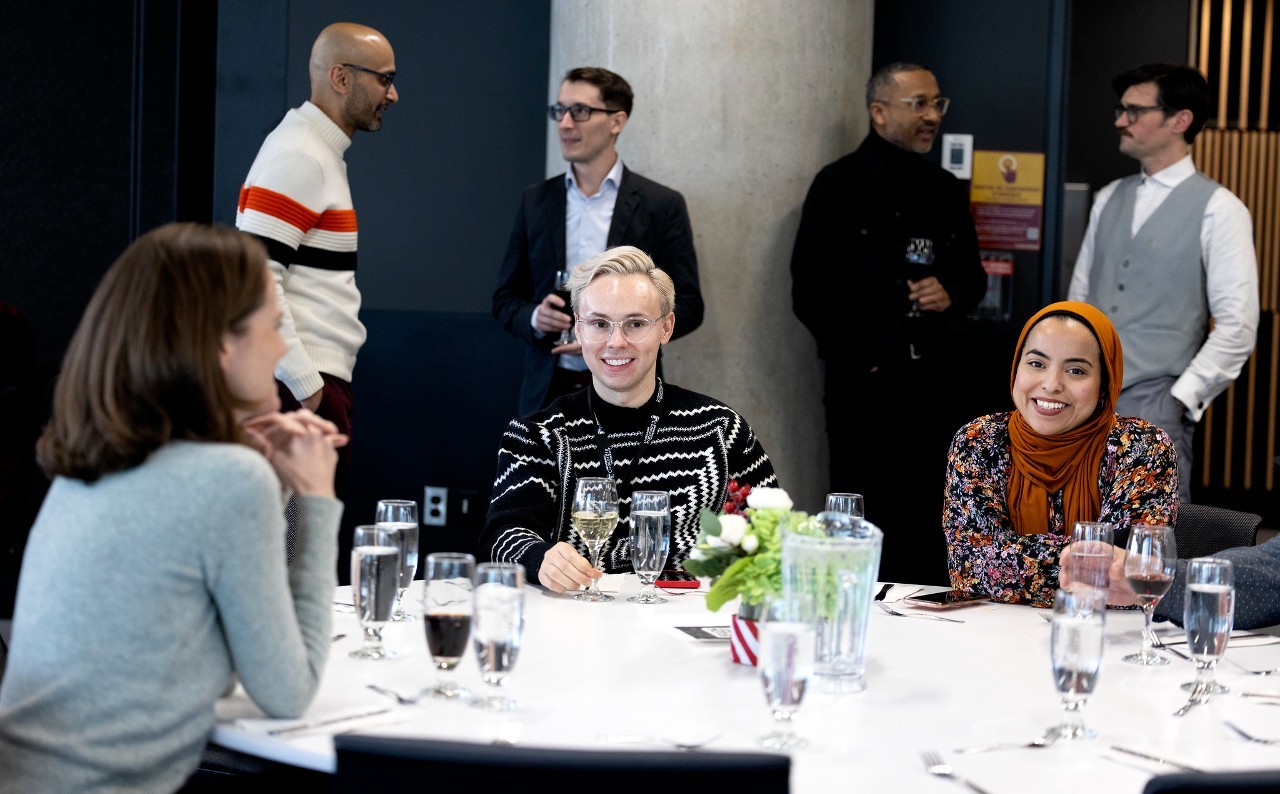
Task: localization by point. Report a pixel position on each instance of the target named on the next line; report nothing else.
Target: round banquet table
(619, 675)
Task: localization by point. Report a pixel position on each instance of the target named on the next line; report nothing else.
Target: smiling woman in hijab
(1017, 482)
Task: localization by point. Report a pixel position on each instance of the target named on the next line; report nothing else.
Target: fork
(1249, 736)
(1251, 671)
(1040, 741)
(403, 700)
(934, 764)
(1199, 694)
(893, 611)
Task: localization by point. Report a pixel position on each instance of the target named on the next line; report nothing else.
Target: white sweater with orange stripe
(297, 201)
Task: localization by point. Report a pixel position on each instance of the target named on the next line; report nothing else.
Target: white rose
(716, 542)
(765, 498)
(697, 554)
(750, 543)
(732, 528)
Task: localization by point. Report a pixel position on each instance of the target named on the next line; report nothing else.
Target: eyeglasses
(576, 112)
(634, 329)
(919, 104)
(1134, 111)
(386, 78)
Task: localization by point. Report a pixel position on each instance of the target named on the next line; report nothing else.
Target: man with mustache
(1166, 250)
(885, 260)
(297, 201)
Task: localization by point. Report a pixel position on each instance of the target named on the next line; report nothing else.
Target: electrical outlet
(435, 505)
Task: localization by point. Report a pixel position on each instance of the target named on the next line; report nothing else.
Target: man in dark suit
(597, 204)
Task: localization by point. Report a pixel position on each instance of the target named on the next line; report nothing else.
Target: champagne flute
(1089, 562)
(446, 608)
(1149, 564)
(595, 514)
(848, 503)
(919, 262)
(498, 628)
(562, 282)
(1208, 611)
(1075, 650)
(785, 662)
(375, 566)
(650, 541)
(402, 516)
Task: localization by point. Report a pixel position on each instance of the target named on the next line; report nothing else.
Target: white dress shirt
(1231, 280)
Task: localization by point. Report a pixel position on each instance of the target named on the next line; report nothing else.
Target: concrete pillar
(738, 105)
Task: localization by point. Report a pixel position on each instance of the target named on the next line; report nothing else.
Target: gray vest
(1152, 284)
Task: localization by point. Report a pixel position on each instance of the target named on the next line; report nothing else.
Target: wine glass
(562, 281)
(650, 541)
(785, 662)
(1088, 563)
(446, 609)
(1208, 610)
(595, 514)
(498, 628)
(848, 503)
(1149, 564)
(375, 566)
(919, 261)
(402, 516)
(1075, 650)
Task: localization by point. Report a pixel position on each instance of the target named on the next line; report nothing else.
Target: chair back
(1214, 782)
(1203, 531)
(372, 763)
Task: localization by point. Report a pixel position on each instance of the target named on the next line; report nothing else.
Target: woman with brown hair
(1018, 482)
(156, 567)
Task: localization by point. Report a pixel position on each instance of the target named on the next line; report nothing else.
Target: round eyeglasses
(634, 329)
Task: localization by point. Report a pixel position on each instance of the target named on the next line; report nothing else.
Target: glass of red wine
(447, 611)
(1150, 561)
(562, 282)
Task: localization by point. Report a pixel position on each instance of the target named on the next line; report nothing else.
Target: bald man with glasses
(1166, 250)
(885, 263)
(597, 203)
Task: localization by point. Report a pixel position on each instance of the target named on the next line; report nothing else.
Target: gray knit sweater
(140, 595)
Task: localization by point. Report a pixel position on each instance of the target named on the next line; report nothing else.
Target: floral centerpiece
(740, 550)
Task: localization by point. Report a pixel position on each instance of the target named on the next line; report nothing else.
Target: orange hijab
(1068, 462)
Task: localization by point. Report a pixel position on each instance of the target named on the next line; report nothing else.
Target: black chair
(1203, 531)
(371, 763)
(1214, 782)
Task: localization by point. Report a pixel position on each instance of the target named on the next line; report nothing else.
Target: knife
(1157, 759)
(306, 726)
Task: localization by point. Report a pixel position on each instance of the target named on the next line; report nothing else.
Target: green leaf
(709, 522)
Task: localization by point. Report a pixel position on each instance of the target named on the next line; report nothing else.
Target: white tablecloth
(590, 673)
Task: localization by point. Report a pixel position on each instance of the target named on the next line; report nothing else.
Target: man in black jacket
(885, 260)
(597, 204)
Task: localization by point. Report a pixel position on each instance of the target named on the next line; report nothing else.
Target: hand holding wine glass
(595, 515)
(561, 284)
(375, 567)
(401, 516)
(447, 608)
(1149, 564)
(650, 541)
(1087, 564)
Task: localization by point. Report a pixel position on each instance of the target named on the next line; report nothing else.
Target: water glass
(498, 628)
(1150, 561)
(1208, 612)
(1089, 562)
(402, 516)
(785, 663)
(595, 515)
(375, 566)
(1075, 650)
(446, 609)
(561, 285)
(847, 503)
(650, 541)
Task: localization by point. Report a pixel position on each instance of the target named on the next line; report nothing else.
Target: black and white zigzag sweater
(695, 446)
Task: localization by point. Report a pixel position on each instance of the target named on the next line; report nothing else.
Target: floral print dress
(1138, 481)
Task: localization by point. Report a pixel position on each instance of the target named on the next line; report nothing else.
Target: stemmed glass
(1089, 561)
(595, 514)
(498, 628)
(919, 260)
(375, 565)
(785, 662)
(650, 541)
(562, 281)
(1149, 564)
(402, 516)
(1208, 611)
(848, 503)
(446, 607)
(1075, 650)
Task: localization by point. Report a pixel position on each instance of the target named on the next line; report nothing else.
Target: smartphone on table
(677, 580)
(947, 599)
